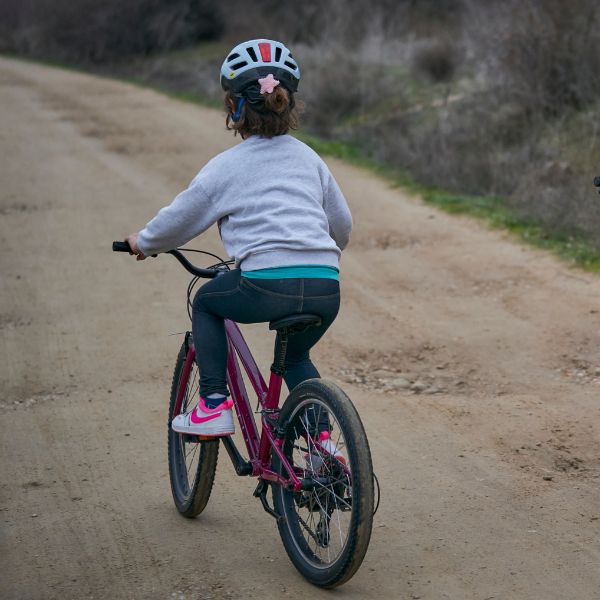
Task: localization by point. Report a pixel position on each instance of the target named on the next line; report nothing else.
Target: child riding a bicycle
(281, 216)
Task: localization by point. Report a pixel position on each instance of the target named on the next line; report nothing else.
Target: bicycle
(323, 503)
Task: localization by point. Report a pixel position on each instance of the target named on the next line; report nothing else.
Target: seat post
(285, 327)
(281, 342)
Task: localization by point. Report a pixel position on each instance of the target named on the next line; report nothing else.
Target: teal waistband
(295, 272)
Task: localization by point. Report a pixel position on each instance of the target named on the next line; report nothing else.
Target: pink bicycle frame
(258, 446)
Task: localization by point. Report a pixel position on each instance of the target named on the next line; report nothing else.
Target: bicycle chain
(305, 525)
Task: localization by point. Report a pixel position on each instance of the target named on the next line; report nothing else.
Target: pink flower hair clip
(268, 84)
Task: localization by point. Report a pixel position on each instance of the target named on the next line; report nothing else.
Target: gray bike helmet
(254, 59)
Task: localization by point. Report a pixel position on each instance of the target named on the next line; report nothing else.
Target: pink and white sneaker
(314, 461)
(211, 422)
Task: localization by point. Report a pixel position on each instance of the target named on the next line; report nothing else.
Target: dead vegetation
(491, 98)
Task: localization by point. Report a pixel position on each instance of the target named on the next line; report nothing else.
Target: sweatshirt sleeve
(191, 213)
(338, 213)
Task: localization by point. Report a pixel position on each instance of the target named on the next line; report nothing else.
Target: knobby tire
(191, 485)
(306, 545)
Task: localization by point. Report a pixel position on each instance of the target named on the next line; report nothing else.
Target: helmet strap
(238, 111)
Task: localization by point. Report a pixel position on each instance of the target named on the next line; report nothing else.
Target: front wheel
(192, 462)
(326, 528)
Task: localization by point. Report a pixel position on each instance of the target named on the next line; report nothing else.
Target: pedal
(194, 439)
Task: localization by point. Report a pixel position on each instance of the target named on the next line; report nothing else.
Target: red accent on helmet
(265, 51)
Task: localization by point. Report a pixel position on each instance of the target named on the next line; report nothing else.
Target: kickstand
(261, 492)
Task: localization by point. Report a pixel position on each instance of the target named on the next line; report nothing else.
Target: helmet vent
(252, 54)
(252, 59)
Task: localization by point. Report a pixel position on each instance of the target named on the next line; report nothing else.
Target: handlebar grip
(121, 247)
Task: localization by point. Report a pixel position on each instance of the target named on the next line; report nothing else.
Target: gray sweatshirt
(275, 201)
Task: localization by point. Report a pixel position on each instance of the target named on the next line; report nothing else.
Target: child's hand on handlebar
(132, 240)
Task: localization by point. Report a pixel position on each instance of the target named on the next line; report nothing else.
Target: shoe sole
(216, 433)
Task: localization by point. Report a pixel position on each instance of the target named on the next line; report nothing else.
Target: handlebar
(121, 247)
(187, 265)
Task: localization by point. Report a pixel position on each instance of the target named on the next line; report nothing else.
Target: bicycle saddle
(295, 323)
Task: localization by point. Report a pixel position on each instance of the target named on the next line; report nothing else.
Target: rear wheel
(326, 528)
(192, 463)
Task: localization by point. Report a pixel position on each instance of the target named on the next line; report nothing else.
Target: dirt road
(475, 363)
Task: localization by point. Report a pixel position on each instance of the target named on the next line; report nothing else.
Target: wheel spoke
(191, 455)
(324, 512)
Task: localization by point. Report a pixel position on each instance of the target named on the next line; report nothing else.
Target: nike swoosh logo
(194, 418)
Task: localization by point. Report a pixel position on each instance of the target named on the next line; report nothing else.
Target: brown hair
(278, 116)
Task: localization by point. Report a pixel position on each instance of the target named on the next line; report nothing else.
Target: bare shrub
(10, 12)
(314, 22)
(540, 54)
(559, 198)
(339, 87)
(463, 147)
(90, 31)
(288, 20)
(344, 74)
(437, 60)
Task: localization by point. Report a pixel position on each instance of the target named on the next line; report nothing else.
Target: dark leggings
(244, 300)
